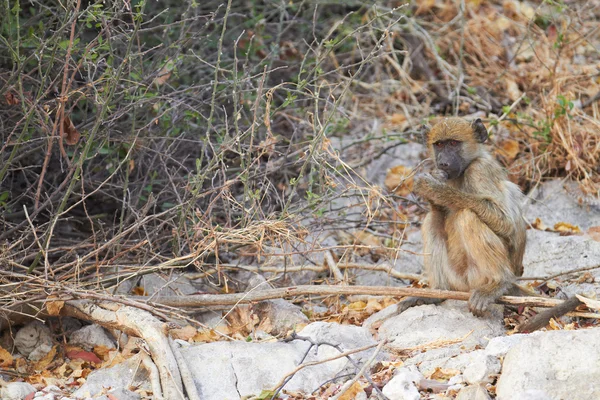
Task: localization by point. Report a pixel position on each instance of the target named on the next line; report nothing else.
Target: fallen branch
(135, 322)
(201, 300)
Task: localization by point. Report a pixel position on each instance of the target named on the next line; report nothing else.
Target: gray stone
(403, 386)
(500, 345)
(232, 370)
(482, 369)
(555, 364)
(409, 260)
(407, 155)
(449, 321)
(551, 203)
(279, 316)
(34, 340)
(121, 376)
(474, 392)
(548, 253)
(16, 391)
(91, 336)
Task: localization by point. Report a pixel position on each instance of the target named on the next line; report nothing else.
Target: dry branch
(138, 323)
(201, 300)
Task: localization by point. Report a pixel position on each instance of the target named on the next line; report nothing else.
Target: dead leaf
(164, 74)
(83, 355)
(71, 134)
(512, 89)
(594, 232)
(54, 307)
(564, 227)
(6, 359)
(186, 333)
(539, 225)
(206, 336)
(43, 364)
(139, 291)
(399, 180)
(590, 303)
(11, 99)
(552, 34)
(508, 148)
(443, 374)
(352, 392)
(268, 145)
(424, 7)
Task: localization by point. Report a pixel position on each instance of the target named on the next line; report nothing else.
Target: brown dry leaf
(539, 225)
(367, 239)
(83, 355)
(425, 6)
(103, 352)
(564, 227)
(594, 232)
(139, 291)
(6, 359)
(443, 374)
(43, 364)
(268, 145)
(206, 336)
(72, 135)
(512, 89)
(552, 34)
(357, 306)
(54, 307)
(399, 180)
(508, 148)
(353, 391)
(185, 333)
(590, 303)
(164, 74)
(554, 325)
(398, 120)
(11, 99)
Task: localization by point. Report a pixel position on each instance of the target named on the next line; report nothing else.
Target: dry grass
(184, 137)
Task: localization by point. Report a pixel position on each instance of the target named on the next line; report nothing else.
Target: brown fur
(474, 236)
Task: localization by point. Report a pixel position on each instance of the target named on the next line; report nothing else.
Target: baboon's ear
(424, 133)
(479, 131)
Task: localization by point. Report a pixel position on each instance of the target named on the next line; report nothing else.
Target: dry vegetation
(142, 137)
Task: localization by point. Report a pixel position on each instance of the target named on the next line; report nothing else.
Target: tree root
(140, 323)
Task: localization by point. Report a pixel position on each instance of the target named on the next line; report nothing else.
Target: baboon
(474, 236)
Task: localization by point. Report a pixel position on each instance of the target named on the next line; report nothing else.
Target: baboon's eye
(453, 143)
(439, 145)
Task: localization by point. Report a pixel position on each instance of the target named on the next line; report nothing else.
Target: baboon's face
(448, 157)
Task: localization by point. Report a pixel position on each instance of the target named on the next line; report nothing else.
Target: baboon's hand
(440, 175)
(425, 185)
(479, 302)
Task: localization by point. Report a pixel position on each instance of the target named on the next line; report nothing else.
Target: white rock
(230, 370)
(449, 321)
(556, 364)
(500, 345)
(91, 336)
(403, 386)
(121, 376)
(474, 392)
(482, 369)
(16, 391)
(548, 253)
(34, 340)
(551, 203)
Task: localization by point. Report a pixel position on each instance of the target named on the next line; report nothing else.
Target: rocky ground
(433, 352)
